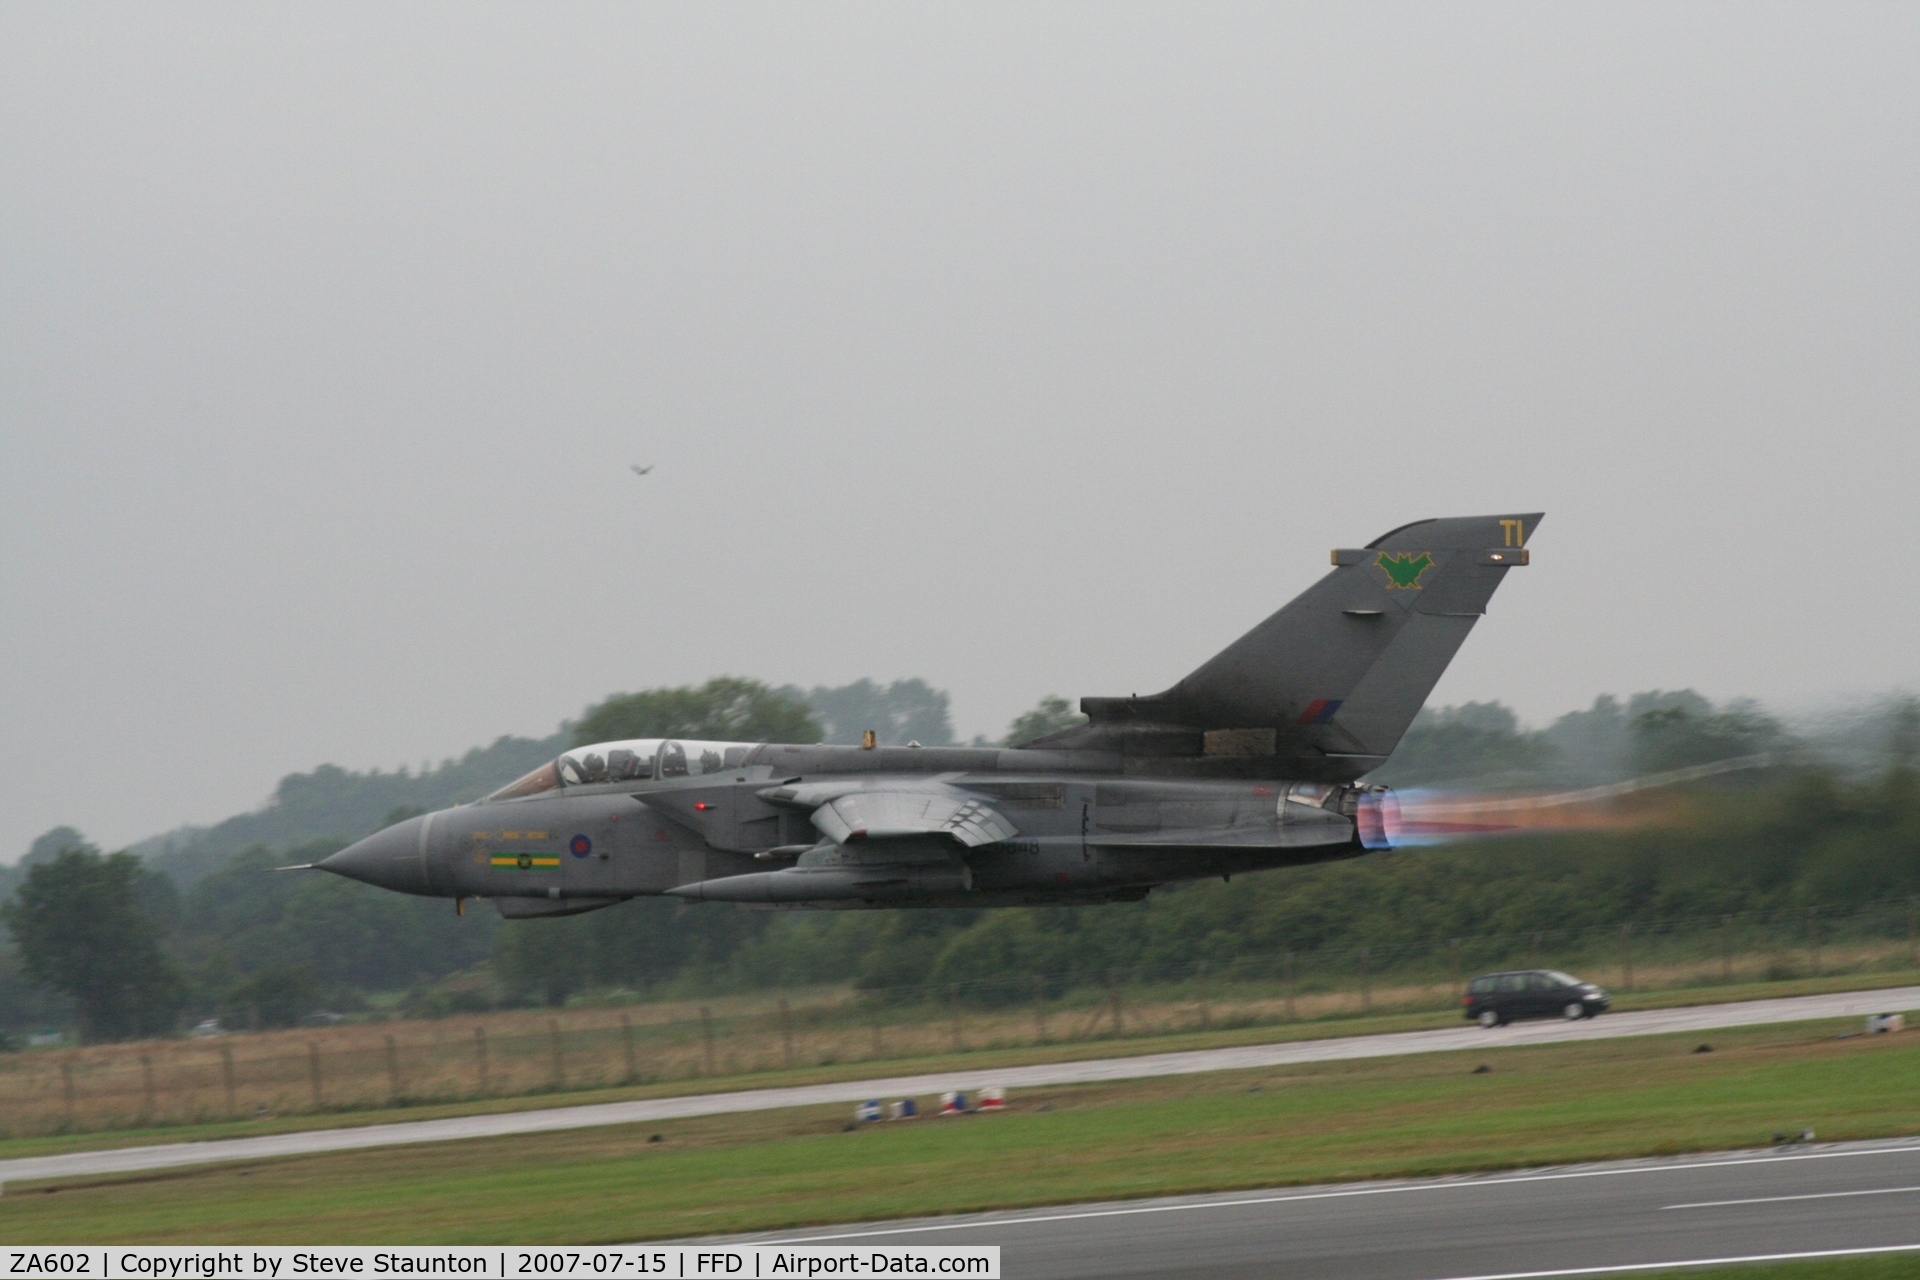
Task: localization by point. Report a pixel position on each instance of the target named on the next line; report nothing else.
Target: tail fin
(1325, 688)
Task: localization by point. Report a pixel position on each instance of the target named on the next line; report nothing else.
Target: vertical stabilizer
(1326, 687)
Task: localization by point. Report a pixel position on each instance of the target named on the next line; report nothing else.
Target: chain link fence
(523, 1053)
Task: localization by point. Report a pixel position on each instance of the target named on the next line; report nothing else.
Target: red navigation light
(702, 805)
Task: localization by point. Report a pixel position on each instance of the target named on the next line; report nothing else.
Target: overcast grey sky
(1026, 348)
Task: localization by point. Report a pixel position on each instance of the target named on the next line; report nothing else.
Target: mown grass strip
(1886, 1266)
(1280, 1033)
(1429, 1114)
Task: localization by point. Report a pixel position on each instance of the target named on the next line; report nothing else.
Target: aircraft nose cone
(390, 859)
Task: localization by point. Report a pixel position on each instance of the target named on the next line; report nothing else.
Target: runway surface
(500, 1124)
(1853, 1197)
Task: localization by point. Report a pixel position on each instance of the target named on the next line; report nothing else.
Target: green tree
(1675, 737)
(53, 844)
(276, 997)
(1903, 753)
(898, 713)
(726, 708)
(545, 960)
(1591, 746)
(44, 849)
(24, 1005)
(1050, 715)
(1477, 741)
(335, 803)
(82, 929)
(903, 955)
(244, 919)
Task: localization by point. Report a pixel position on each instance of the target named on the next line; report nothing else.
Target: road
(1697, 1018)
(1855, 1197)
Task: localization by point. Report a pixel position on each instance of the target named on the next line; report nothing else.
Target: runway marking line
(1455, 1184)
(1695, 1262)
(1822, 1195)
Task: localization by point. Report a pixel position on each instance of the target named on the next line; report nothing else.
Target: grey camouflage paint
(1252, 762)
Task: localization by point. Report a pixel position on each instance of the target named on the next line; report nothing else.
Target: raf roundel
(580, 846)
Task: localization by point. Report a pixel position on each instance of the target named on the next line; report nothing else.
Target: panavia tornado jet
(1254, 761)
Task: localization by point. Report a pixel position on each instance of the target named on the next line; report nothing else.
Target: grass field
(1897, 1266)
(1428, 1114)
(490, 1059)
(1144, 1038)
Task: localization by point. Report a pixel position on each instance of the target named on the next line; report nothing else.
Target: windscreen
(545, 778)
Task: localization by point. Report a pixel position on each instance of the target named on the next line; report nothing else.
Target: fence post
(559, 1070)
(1726, 949)
(626, 1047)
(313, 1070)
(480, 1057)
(1040, 1008)
(226, 1076)
(1286, 965)
(1459, 974)
(953, 996)
(1366, 980)
(1813, 937)
(393, 1072)
(146, 1088)
(706, 1035)
(1626, 956)
(66, 1088)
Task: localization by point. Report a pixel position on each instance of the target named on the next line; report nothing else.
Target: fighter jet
(1257, 760)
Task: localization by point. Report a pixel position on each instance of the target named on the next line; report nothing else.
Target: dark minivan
(1495, 999)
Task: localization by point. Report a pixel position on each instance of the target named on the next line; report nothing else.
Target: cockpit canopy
(634, 760)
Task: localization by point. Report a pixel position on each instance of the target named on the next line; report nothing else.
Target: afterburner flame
(1432, 816)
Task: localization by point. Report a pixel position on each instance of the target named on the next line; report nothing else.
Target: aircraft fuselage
(1253, 760)
(1082, 831)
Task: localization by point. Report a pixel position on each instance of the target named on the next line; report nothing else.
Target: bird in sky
(640, 470)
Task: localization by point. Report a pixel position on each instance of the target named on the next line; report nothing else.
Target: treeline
(114, 948)
(1482, 743)
(237, 941)
(332, 803)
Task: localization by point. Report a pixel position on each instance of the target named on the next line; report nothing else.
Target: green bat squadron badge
(1405, 570)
